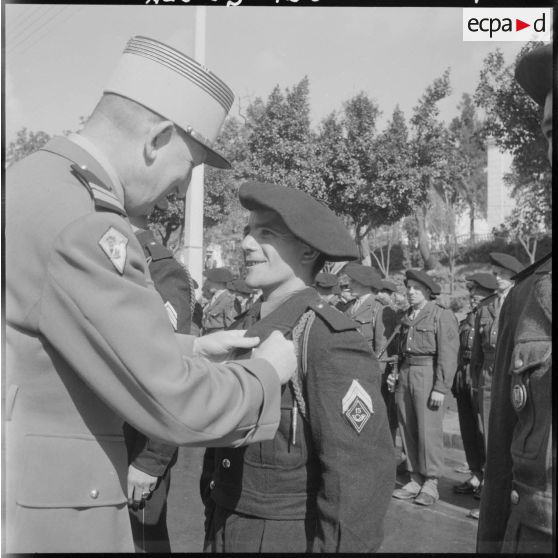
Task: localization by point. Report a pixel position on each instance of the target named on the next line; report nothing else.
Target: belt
(418, 359)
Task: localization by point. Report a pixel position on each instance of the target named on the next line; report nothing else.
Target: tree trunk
(472, 222)
(364, 247)
(430, 261)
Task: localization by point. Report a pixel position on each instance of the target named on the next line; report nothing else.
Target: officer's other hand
(217, 346)
(436, 399)
(280, 353)
(140, 486)
(391, 381)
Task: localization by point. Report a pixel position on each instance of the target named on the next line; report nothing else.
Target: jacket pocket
(425, 337)
(531, 364)
(72, 471)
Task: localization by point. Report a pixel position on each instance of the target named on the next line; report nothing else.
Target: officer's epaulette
(334, 318)
(101, 194)
(542, 265)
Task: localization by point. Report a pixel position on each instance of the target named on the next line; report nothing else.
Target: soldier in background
(243, 295)
(327, 286)
(219, 312)
(516, 512)
(480, 286)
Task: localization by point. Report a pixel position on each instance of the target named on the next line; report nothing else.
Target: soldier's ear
(156, 138)
(309, 254)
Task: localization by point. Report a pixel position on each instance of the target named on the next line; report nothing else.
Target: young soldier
(323, 483)
(428, 345)
(327, 286)
(517, 504)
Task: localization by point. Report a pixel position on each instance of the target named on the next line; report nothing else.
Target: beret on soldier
(506, 261)
(219, 275)
(326, 280)
(484, 280)
(308, 219)
(423, 278)
(240, 286)
(534, 73)
(388, 286)
(363, 274)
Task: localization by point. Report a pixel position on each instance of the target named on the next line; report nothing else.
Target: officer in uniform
(323, 484)
(486, 334)
(480, 286)
(219, 313)
(327, 285)
(89, 344)
(428, 346)
(517, 504)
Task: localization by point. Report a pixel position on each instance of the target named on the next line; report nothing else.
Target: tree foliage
(26, 142)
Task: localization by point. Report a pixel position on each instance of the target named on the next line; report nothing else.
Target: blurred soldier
(327, 286)
(517, 504)
(88, 340)
(219, 312)
(323, 484)
(428, 346)
(242, 295)
(346, 297)
(480, 286)
(385, 294)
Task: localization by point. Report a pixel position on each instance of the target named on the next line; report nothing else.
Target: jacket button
(212, 485)
(94, 494)
(514, 497)
(226, 464)
(518, 363)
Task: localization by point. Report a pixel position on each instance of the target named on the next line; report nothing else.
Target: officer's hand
(436, 399)
(280, 353)
(391, 381)
(140, 486)
(217, 346)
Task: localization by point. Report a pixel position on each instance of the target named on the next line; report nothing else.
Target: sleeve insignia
(114, 245)
(357, 406)
(173, 316)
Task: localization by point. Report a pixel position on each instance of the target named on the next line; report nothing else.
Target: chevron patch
(173, 316)
(357, 406)
(114, 244)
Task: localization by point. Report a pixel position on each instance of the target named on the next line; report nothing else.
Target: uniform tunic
(467, 400)
(219, 313)
(328, 490)
(85, 333)
(482, 356)
(428, 347)
(516, 513)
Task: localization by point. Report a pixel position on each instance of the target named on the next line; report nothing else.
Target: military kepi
(176, 87)
(308, 219)
(534, 73)
(423, 278)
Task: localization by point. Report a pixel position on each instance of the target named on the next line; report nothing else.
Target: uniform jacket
(462, 379)
(434, 333)
(484, 340)
(520, 461)
(331, 473)
(85, 333)
(220, 313)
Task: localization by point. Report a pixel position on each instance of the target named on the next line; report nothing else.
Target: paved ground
(443, 528)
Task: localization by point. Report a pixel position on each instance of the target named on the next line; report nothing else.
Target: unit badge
(173, 316)
(357, 406)
(114, 245)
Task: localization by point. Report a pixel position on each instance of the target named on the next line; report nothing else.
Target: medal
(519, 396)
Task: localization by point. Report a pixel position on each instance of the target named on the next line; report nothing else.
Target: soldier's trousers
(471, 432)
(420, 427)
(483, 401)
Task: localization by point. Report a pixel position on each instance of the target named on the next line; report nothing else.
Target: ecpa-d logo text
(507, 24)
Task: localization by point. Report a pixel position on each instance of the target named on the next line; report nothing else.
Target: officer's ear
(158, 136)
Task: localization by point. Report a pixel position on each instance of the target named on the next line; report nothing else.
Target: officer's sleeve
(495, 501)
(447, 347)
(357, 470)
(153, 457)
(101, 317)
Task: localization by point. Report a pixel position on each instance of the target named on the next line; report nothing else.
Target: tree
(513, 119)
(26, 142)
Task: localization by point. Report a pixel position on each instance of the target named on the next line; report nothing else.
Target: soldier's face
(546, 125)
(272, 254)
(503, 277)
(417, 293)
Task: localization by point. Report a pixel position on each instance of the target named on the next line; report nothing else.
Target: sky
(58, 57)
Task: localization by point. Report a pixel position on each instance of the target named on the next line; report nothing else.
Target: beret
(423, 278)
(219, 275)
(240, 286)
(326, 280)
(363, 274)
(308, 219)
(484, 280)
(388, 286)
(506, 261)
(534, 73)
